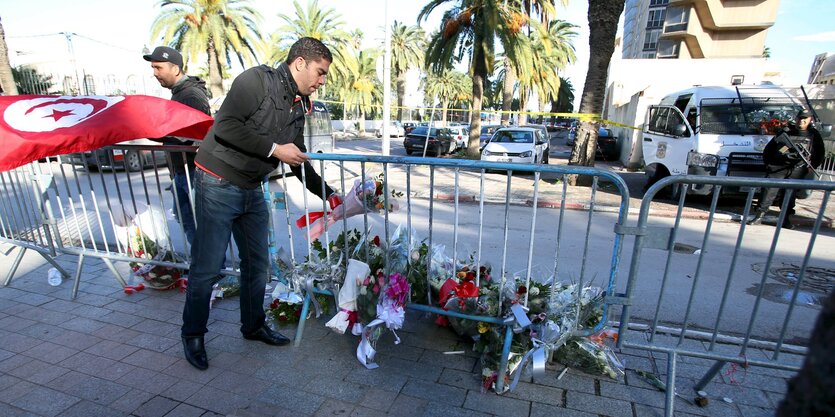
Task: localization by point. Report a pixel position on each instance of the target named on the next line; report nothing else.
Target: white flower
(533, 291)
(415, 255)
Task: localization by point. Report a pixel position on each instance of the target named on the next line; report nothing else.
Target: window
(648, 55)
(89, 85)
(676, 19)
(651, 40)
(668, 48)
(656, 19)
(725, 116)
(664, 120)
(653, 3)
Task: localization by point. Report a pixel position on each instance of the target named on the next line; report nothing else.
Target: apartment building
(823, 69)
(695, 29)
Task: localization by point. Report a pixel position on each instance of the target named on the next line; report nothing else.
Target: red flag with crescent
(34, 127)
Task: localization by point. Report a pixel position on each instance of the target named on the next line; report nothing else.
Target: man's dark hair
(310, 49)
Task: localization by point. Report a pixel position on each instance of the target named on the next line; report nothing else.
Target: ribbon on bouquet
(548, 339)
(389, 314)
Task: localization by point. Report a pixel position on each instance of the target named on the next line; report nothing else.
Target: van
(719, 131)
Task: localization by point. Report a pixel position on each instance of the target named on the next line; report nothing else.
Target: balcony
(721, 15)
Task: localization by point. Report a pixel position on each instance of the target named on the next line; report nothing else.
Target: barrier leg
(116, 273)
(508, 337)
(60, 269)
(709, 375)
(671, 385)
(13, 269)
(77, 279)
(302, 319)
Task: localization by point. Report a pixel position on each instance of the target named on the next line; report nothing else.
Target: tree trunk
(523, 104)
(603, 25)
(444, 107)
(215, 78)
(6, 77)
(553, 110)
(361, 121)
(507, 91)
(400, 85)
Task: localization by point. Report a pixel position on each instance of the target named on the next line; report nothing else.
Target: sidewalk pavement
(112, 354)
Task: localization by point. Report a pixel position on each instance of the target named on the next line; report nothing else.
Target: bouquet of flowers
(156, 276)
(286, 311)
(391, 292)
(367, 195)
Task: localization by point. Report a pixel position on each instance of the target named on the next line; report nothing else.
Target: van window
(727, 117)
(664, 120)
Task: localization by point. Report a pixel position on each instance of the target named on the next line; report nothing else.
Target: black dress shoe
(268, 336)
(757, 219)
(787, 224)
(195, 352)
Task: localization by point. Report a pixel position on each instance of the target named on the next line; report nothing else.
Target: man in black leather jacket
(260, 124)
(167, 64)
(788, 155)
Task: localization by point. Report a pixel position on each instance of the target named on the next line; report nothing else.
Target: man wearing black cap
(788, 155)
(167, 64)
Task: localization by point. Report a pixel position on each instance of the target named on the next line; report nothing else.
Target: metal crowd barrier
(22, 221)
(451, 202)
(721, 298)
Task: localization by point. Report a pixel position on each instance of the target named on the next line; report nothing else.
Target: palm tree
(766, 52)
(217, 27)
(325, 25)
(449, 86)
(356, 81)
(407, 51)
(553, 50)
(6, 77)
(471, 28)
(603, 21)
(564, 102)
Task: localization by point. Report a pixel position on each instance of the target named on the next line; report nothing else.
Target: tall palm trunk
(507, 91)
(479, 75)
(523, 104)
(400, 85)
(6, 77)
(603, 23)
(215, 80)
(444, 109)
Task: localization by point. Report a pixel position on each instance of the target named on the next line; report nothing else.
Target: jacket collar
(284, 72)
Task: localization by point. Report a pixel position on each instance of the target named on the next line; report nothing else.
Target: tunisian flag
(33, 127)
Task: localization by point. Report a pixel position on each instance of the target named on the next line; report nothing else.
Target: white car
(395, 129)
(516, 144)
(460, 136)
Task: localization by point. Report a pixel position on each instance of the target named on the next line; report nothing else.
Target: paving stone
(118, 318)
(13, 387)
(182, 370)
(132, 400)
(444, 410)
(149, 359)
(245, 385)
(185, 410)
(650, 397)
(598, 405)
(435, 392)
(111, 350)
(381, 378)
(91, 409)
(91, 388)
(739, 394)
(292, 398)
(460, 362)
(33, 299)
(573, 380)
(156, 407)
(16, 324)
(75, 340)
(646, 411)
(62, 306)
(412, 369)
(366, 412)
(749, 411)
(281, 373)
(45, 401)
(181, 390)
(153, 342)
(19, 343)
(38, 372)
(50, 352)
(82, 324)
(495, 404)
(115, 333)
(158, 328)
(376, 398)
(14, 362)
(546, 410)
(5, 354)
(764, 382)
(153, 382)
(537, 393)
(87, 363)
(259, 409)
(461, 379)
(332, 407)
(43, 331)
(405, 405)
(336, 389)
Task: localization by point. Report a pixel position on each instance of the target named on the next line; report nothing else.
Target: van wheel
(546, 157)
(133, 161)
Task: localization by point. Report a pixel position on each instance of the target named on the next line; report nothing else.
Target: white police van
(718, 131)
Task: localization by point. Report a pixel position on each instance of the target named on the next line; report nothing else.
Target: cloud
(817, 37)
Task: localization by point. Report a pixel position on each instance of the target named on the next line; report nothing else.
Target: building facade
(694, 29)
(823, 69)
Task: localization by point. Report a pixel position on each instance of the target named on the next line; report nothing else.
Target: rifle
(801, 152)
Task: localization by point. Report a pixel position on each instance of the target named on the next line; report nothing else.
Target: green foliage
(29, 81)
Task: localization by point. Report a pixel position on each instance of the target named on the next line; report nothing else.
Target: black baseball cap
(165, 54)
(804, 114)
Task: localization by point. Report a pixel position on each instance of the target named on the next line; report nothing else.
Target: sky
(113, 33)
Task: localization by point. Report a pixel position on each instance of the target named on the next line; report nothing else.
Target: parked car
(395, 129)
(460, 135)
(111, 157)
(408, 127)
(437, 141)
(607, 143)
(547, 135)
(516, 144)
(487, 132)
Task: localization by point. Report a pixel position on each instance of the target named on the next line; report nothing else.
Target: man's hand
(290, 154)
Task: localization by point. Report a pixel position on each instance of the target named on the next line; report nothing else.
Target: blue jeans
(185, 216)
(224, 209)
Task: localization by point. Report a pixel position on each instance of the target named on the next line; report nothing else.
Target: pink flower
(375, 289)
(366, 281)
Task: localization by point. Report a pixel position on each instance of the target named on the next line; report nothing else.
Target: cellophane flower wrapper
(592, 358)
(390, 314)
(366, 196)
(347, 298)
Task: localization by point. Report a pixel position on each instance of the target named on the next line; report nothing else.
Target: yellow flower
(483, 327)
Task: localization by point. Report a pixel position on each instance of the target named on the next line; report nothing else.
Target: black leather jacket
(261, 109)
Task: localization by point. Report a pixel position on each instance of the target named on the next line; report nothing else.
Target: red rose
(376, 241)
(522, 290)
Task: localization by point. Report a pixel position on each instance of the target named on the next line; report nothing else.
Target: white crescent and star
(45, 114)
